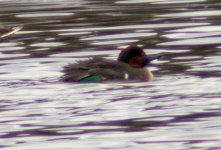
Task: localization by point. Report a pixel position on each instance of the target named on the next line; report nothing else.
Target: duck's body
(129, 66)
(100, 69)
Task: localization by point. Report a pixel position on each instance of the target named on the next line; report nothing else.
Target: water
(180, 109)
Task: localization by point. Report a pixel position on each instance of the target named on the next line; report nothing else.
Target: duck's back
(100, 69)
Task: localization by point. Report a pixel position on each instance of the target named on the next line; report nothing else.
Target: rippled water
(180, 109)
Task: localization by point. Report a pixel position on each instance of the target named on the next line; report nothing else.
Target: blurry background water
(179, 110)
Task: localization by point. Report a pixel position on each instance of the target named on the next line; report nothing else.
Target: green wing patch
(92, 78)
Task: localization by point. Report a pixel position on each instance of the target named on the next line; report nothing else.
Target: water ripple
(181, 107)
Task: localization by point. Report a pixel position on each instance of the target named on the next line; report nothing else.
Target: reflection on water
(179, 110)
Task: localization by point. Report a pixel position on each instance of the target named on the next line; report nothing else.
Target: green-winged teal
(130, 65)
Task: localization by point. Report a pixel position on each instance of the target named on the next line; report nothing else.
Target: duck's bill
(153, 57)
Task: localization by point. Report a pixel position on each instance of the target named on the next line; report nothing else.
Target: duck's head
(136, 57)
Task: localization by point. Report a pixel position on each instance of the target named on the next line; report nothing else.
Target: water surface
(180, 109)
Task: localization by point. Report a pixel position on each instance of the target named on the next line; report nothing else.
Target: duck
(131, 64)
